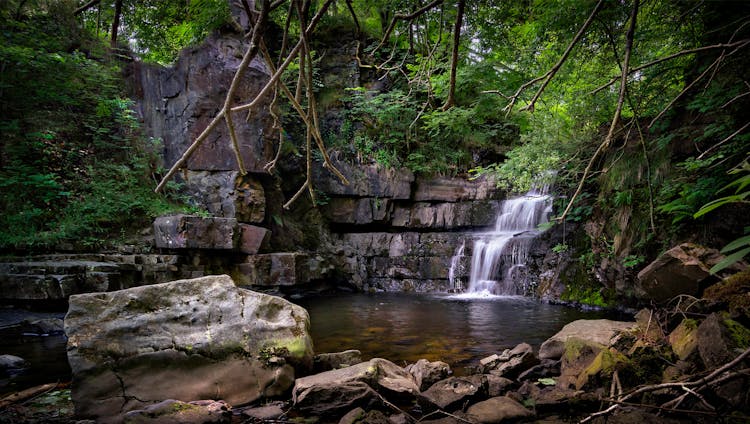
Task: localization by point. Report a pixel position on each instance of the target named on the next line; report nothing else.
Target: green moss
(739, 334)
(592, 296)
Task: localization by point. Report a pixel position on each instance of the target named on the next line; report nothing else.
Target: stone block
(275, 269)
(194, 232)
(252, 238)
(366, 181)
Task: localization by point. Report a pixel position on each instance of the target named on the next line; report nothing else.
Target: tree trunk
(454, 57)
(116, 23)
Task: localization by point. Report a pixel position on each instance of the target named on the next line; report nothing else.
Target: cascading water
(500, 255)
(453, 271)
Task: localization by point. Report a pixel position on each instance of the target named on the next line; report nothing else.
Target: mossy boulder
(683, 338)
(194, 339)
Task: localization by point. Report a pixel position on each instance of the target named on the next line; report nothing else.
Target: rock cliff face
(386, 230)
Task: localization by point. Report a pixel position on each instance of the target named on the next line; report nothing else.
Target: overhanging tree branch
(618, 111)
(405, 17)
(86, 7)
(454, 56)
(547, 77)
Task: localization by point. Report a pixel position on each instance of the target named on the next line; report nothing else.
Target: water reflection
(405, 328)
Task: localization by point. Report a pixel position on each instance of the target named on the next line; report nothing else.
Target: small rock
(11, 365)
(497, 410)
(513, 362)
(648, 326)
(497, 386)
(683, 339)
(427, 373)
(267, 412)
(352, 416)
(174, 411)
(453, 391)
(47, 326)
(548, 368)
(713, 346)
(335, 360)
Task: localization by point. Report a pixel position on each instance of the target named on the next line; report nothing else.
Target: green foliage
(739, 248)
(74, 165)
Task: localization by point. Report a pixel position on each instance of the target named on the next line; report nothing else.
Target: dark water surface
(453, 329)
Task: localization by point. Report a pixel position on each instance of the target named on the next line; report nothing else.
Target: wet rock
(331, 361)
(273, 411)
(44, 327)
(330, 392)
(252, 238)
(601, 331)
(497, 386)
(360, 416)
(547, 368)
(496, 410)
(195, 232)
(586, 363)
(11, 365)
(352, 416)
(453, 392)
(187, 339)
(680, 270)
(173, 411)
(427, 373)
(683, 338)
(511, 362)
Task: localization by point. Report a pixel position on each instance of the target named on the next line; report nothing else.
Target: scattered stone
(512, 361)
(187, 339)
(600, 331)
(331, 361)
(496, 410)
(173, 411)
(714, 346)
(454, 391)
(497, 386)
(427, 373)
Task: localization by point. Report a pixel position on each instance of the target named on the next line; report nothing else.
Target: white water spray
(500, 255)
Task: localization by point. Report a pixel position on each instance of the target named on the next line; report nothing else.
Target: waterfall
(456, 283)
(500, 256)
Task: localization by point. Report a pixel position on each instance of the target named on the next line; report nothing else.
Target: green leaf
(547, 381)
(729, 260)
(736, 244)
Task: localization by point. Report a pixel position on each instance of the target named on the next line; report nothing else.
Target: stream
(455, 329)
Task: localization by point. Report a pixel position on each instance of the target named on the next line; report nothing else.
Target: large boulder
(186, 340)
(600, 331)
(337, 391)
(680, 270)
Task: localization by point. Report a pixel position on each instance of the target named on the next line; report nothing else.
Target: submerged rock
(11, 365)
(190, 339)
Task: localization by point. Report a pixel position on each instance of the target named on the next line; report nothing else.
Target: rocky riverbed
(232, 355)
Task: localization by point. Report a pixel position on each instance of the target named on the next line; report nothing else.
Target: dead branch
(547, 77)
(715, 377)
(354, 15)
(406, 17)
(24, 395)
(737, 97)
(731, 136)
(740, 43)
(251, 52)
(620, 101)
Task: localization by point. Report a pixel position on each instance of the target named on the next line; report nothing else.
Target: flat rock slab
(189, 339)
(600, 331)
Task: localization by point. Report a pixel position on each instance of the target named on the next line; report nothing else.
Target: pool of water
(455, 329)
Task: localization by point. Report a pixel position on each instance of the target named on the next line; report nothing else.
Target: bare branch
(739, 44)
(620, 101)
(406, 17)
(734, 134)
(252, 50)
(551, 73)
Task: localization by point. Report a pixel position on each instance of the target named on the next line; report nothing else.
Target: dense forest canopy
(636, 109)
